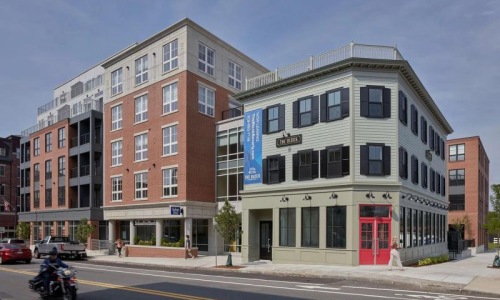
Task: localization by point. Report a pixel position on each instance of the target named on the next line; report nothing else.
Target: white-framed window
(141, 108)
(170, 140)
(170, 56)
(48, 142)
(206, 100)
(206, 59)
(141, 185)
(141, 70)
(234, 74)
(116, 153)
(116, 117)
(170, 98)
(116, 82)
(36, 148)
(141, 147)
(2, 170)
(3, 152)
(117, 188)
(169, 182)
(61, 139)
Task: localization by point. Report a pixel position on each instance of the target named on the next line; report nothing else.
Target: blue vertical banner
(252, 171)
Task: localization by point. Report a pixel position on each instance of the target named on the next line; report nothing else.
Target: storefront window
(200, 234)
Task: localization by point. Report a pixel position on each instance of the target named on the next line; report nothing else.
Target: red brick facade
(9, 180)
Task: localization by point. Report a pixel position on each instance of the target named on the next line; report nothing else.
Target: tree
(23, 230)
(84, 230)
(227, 225)
(493, 220)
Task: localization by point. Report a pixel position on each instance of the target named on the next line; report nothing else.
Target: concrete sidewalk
(469, 274)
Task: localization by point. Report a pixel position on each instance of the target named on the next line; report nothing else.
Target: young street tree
(84, 230)
(227, 225)
(493, 220)
(23, 230)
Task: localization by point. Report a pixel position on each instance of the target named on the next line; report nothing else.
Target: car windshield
(16, 241)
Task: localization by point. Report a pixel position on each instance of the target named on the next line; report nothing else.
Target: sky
(452, 45)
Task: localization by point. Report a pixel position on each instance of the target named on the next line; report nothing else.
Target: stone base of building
(154, 251)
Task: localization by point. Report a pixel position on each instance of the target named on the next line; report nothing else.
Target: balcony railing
(315, 62)
(85, 170)
(233, 112)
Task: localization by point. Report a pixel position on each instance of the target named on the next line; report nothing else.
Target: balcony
(232, 113)
(315, 62)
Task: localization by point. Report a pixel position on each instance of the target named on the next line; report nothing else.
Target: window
(116, 153)
(2, 170)
(287, 227)
(170, 140)
(61, 137)
(375, 160)
(310, 227)
(334, 161)
(273, 118)
(334, 105)
(61, 196)
(234, 78)
(457, 202)
(273, 169)
(48, 197)
(3, 152)
(431, 137)
(432, 180)
(141, 108)
(206, 59)
(48, 142)
(414, 169)
(36, 172)
(170, 56)
(36, 199)
(305, 111)
(117, 188)
(2, 189)
(457, 177)
(141, 70)
(414, 119)
(170, 182)
(457, 152)
(141, 147)
(403, 163)
(305, 165)
(61, 166)
(423, 129)
(375, 102)
(116, 117)
(116, 82)
(336, 227)
(403, 108)
(424, 175)
(36, 148)
(206, 100)
(141, 185)
(170, 98)
(48, 169)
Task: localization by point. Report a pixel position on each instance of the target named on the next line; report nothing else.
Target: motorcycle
(63, 283)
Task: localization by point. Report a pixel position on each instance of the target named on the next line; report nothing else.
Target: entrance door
(374, 248)
(266, 239)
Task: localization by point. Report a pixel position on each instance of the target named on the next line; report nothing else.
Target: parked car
(65, 247)
(14, 252)
(13, 241)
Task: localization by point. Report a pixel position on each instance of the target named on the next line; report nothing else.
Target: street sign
(176, 210)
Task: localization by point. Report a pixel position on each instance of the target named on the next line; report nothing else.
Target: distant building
(9, 184)
(468, 191)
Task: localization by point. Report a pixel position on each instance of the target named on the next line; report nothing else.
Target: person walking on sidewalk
(395, 255)
(187, 246)
(119, 246)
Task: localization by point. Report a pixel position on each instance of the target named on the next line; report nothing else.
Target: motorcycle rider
(46, 269)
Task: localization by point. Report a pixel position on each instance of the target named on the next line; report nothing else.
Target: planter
(155, 251)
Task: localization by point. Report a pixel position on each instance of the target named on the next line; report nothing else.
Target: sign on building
(175, 210)
(252, 170)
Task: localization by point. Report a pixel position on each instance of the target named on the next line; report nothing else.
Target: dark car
(14, 252)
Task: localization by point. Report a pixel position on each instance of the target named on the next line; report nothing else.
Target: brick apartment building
(165, 96)
(9, 184)
(468, 189)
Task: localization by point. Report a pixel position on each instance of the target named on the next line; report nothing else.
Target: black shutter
(363, 163)
(345, 160)
(422, 174)
(344, 96)
(442, 150)
(315, 110)
(431, 138)
(323, 108)
(402, 108)
(295, 162)
(401, 160)
(405, 167)
(324, 163)
(315, 164)
(443, 186)
(264, 171)
(295, 114)
(387, 159)
(282, 168)
(364, 101)
(386, 102)
(264, 121)
(281, 120)
(423, 126)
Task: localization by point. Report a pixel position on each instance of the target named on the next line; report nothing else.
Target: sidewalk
(469, 274)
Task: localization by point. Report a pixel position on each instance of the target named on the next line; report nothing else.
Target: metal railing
(102, 245)
(315, 62)
(232, 112)
(85, 170)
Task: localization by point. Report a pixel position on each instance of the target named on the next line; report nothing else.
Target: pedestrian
(119, 246)
(187, 246)
(395, 255)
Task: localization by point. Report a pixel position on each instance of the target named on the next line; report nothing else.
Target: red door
(374, 240)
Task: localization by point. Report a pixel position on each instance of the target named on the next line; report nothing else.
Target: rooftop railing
(315, 62)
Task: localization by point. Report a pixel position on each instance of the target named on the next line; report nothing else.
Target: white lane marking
(317, 287)
(439, 297)
(422, 292)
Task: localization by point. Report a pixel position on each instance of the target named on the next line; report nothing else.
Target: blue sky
(453, 46)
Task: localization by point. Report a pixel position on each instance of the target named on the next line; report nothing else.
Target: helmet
(53, 251)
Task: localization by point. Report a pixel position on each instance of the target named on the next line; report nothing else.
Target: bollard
(229, 262)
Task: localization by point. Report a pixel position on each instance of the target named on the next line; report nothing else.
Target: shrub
(433, 260)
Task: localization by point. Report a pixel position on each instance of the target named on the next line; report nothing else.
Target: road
(121, 282)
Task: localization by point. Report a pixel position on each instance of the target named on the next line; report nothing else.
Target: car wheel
(28, 261)
(37, 254)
